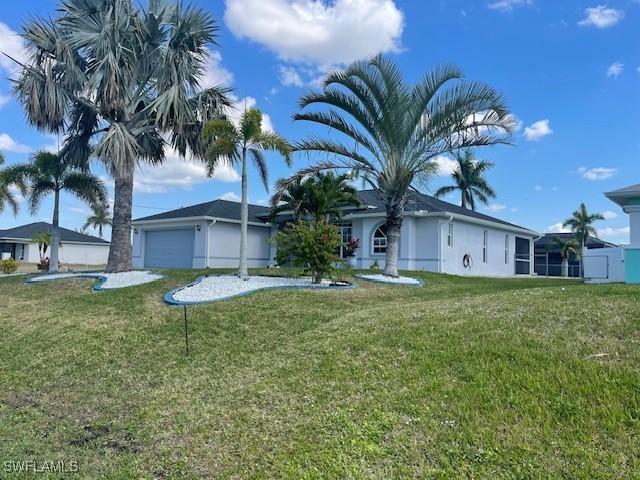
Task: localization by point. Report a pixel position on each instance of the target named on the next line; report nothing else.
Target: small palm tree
(226, 142)
(567, 249)
(319, 196)
(469, 179)
(392, 130)
(581, 223)
(48, 173)
(43, 239)
(7, 197)
(100, 217)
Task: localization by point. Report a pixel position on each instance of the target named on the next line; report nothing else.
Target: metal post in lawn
(186, 331)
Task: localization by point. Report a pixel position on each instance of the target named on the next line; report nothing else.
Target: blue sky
(570, 71)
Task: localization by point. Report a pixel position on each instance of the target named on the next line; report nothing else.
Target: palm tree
(228, 143)
(48, 173)
(581, 223)
(469, 179)
(8, 197)
(43, 239)
(567, 248)
(319, 196)
(122, 82)
(100, 217)
(394, 130)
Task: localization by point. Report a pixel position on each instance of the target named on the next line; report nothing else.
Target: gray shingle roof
(27, 232)
(217, 208)
(419, 201)
(592, 242)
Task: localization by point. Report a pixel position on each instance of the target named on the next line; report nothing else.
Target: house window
(346, 233)
(380, 239)
(485, 241)
(506, 249)
(450, 236)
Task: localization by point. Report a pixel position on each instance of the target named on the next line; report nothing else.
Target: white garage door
(169, 248)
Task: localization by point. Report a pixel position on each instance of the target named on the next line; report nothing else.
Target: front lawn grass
(461, 378)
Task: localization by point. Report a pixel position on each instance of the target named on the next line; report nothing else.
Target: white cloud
(177, 173)
(496, 207)
(609, 215)
(446, 165)
(4, 99)
(615, 70)
(11, 44)
(619, 234)
(538, 130)
(595, 174)
(514, 121)
(318, 32)
(289, 76)
(215, 74)
(537, 188)
(8, 144)
(17, 195)
(230, 196)
(508, 5)
(557, 228)
(601, 17)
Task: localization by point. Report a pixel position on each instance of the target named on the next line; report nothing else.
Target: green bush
(312, 246)
(9, 265)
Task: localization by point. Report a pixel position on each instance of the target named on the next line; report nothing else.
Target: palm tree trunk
(100, 230)
(564, 268)
(463, 203)
(55, 233)
(120, 249)
(394, 224)
(244, 219)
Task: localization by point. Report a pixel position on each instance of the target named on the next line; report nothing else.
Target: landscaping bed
(380, 278)
(107, 281)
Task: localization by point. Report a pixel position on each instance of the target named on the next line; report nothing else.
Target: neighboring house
(436, 236)
(548, 259)
(75, 248)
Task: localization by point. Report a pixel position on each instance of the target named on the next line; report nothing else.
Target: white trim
(195, 219)
(30, 241)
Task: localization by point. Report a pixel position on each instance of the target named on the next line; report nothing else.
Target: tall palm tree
(581, 223)
(7, 196)
(122, 82)
(226, 142)
(468, 178)
(100, 217)
(567, 248)
(318, 196)
(48, 173)
(393, 130)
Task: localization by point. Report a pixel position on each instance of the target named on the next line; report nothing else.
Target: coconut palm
(100, 217)
(227, 143)
(7, 196)
(318, 196)
(122, 82)
(48, 173)
(468, 179)
(567, 249)
(394, 130)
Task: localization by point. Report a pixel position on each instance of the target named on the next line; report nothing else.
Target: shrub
(10, 265)
(312, 246)
(375, 265)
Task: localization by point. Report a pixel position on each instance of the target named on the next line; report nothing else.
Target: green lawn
(462, 378)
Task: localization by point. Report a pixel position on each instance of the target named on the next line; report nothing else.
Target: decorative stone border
(168, 297)
(363, 276)
(99, 276)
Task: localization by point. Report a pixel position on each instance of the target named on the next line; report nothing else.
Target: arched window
(380, 239)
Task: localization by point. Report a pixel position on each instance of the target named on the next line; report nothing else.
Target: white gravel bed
(218, 287)
(110, 280)
(378, 277)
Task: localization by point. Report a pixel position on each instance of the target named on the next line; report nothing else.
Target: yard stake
(186, 331)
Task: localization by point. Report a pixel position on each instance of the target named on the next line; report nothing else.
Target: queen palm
(123, 82)
(228, 143)
(318, 196)
(7, 196)
(581, 223)
(394, 130)
(100, 217)
(49, 174)
(469, 179)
